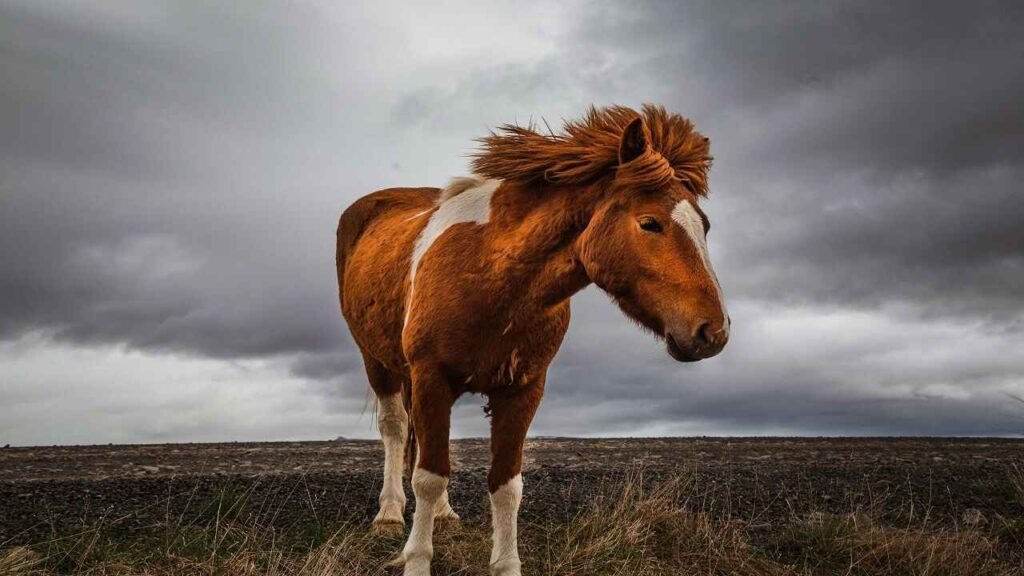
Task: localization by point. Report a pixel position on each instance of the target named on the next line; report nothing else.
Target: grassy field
(630, 528)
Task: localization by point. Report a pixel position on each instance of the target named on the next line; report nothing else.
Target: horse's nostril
(702, 335)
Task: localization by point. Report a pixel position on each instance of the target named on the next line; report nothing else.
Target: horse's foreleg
(511, 414)
(431, 413)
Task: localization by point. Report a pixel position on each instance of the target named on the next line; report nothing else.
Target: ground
(757, 486)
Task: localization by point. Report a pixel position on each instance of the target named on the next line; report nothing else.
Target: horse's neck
(542, 229)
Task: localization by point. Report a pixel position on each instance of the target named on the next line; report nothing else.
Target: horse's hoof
(396, 562)
(506, 568)
(416, 566)
(387, 528)
(448, 517)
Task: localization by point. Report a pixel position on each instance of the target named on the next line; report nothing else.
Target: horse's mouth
(677, 352)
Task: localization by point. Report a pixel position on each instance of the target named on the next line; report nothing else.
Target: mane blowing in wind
(588, 151)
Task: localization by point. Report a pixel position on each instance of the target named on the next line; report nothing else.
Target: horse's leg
(443, 511)
(393, 422)
(432, 401)
(511, 413)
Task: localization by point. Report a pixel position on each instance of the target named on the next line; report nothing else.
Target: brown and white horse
(467, 288)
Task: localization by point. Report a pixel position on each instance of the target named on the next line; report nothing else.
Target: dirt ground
(762, 480)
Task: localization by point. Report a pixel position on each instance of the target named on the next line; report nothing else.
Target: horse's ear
(634, 141)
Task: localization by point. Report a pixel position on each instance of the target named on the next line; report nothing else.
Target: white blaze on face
(686, 216)
(468, 204)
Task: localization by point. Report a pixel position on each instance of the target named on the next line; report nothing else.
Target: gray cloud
(142, 206)
(865, 153)
(170, 176)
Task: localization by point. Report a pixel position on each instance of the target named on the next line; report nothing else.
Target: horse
(466, 289)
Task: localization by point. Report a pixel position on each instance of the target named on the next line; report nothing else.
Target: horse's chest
(488, 351)
(465, 310)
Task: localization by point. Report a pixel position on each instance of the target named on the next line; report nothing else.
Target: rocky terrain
(756, 481)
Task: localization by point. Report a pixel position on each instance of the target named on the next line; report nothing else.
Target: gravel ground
(759, 481)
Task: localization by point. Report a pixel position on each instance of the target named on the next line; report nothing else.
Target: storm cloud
(171, 175)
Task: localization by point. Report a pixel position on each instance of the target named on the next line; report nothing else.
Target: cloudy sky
(171, 176)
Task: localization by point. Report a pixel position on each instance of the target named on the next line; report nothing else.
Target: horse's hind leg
(393, 423)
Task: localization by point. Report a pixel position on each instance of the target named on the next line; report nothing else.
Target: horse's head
(646, 247)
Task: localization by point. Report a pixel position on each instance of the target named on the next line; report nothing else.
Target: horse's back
(374, 245)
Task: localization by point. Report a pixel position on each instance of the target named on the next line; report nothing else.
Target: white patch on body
(392, 421)
(504, 513)
(419, 548)
(464, 200)
(686, 216)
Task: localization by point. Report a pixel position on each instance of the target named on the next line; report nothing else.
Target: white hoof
(446, 514)
(417, 566)
(506, 568)
(390, 513)
(443, 509)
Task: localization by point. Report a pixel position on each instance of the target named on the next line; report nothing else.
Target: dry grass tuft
(858, 546)
(627, 530)
(1017, 481)
(20, 560)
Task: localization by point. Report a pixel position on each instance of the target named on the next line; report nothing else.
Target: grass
(626, 530)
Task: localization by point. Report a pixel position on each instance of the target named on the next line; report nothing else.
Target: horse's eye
(649, 224)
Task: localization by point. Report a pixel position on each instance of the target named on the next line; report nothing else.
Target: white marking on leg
(464, 200)
(686, 216)
(393, 422)
(443, 510)
(419, 548)
(504, 514)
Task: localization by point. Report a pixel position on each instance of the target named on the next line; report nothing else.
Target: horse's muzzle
(705, 341)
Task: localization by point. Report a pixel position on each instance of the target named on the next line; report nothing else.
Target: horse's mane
(459, 185)
(588, 150)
